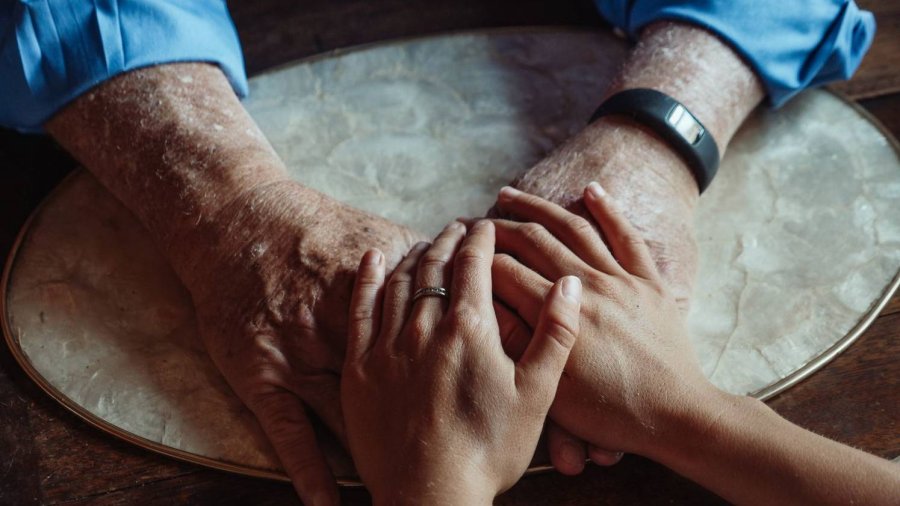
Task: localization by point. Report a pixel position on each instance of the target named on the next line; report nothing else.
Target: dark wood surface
(49, 456)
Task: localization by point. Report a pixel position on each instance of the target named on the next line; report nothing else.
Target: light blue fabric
(52, 51)
(791, 44)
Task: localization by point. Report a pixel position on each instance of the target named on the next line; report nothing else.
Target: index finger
(472, 269)
(365, 306)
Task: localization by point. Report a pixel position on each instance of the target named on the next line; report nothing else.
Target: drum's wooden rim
(12, 342)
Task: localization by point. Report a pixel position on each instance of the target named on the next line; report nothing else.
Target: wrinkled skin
(658, 195)
(276, 326)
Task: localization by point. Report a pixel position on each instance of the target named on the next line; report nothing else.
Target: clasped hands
(436, 410)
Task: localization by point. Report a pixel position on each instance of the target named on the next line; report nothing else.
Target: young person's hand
(632, 382)
(435, 411)
(633, 368)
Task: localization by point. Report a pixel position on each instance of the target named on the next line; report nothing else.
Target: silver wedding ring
(431, 291)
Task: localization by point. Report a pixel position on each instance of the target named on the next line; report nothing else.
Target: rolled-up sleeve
(790, 45)
(55, 50)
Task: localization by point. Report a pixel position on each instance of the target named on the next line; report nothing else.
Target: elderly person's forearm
(683, 61)
(268, 261)
(644, 172)
(175, 145)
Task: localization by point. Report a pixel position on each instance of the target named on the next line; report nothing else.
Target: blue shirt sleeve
(791, 45)
(52, 51)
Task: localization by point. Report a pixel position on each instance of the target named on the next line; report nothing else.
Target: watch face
(685, 124)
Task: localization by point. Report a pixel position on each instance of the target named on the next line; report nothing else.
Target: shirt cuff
(790, 45)
(52, 52)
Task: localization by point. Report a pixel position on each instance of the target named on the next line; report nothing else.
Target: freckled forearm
(683, 61)
(172, 142)
(652, 183)
(698, 69)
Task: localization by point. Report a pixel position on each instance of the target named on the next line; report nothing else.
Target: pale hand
(632, 382)
(436, 412)
(633, 367)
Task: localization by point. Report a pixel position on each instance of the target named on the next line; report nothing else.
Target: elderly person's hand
(436, 412)
(271, 304)
(269, 263)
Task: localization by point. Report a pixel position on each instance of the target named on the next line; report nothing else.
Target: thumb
(545, 357)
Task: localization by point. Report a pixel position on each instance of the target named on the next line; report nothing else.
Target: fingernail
(454, 226)
(508, 193)
(596, 190)
(373, 257)
(421, 245)
(571, 288)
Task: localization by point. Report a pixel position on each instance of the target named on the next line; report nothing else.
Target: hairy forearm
(746, 453)
(686, 62)
(174, 144)
(642, 172)
(699, 70)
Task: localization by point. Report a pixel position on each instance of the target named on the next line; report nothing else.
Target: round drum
(799, 235)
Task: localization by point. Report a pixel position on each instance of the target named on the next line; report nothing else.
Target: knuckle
(470, 256)
(365, 281)
(466, 320)
(560, 331)
(503, 264)
(435, 261)
(530, 200)
(399, 280)
(579, 226)
(300, 461)
(634, 240)
(533, 232)
(360, 314)
(268, 405)
(419, 329)
(502, 260)
(596, 280)
(457, 327)
(628, 284)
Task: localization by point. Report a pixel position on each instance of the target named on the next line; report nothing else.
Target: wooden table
(48, 456)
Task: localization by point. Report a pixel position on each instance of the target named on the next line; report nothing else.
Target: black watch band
(672, 121)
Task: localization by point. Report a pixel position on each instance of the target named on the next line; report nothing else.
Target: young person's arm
(633, 384)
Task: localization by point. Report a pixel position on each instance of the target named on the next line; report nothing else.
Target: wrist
(635, 158)
(698, 69)
(701, 427)
(626, 158)
(254, 220)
